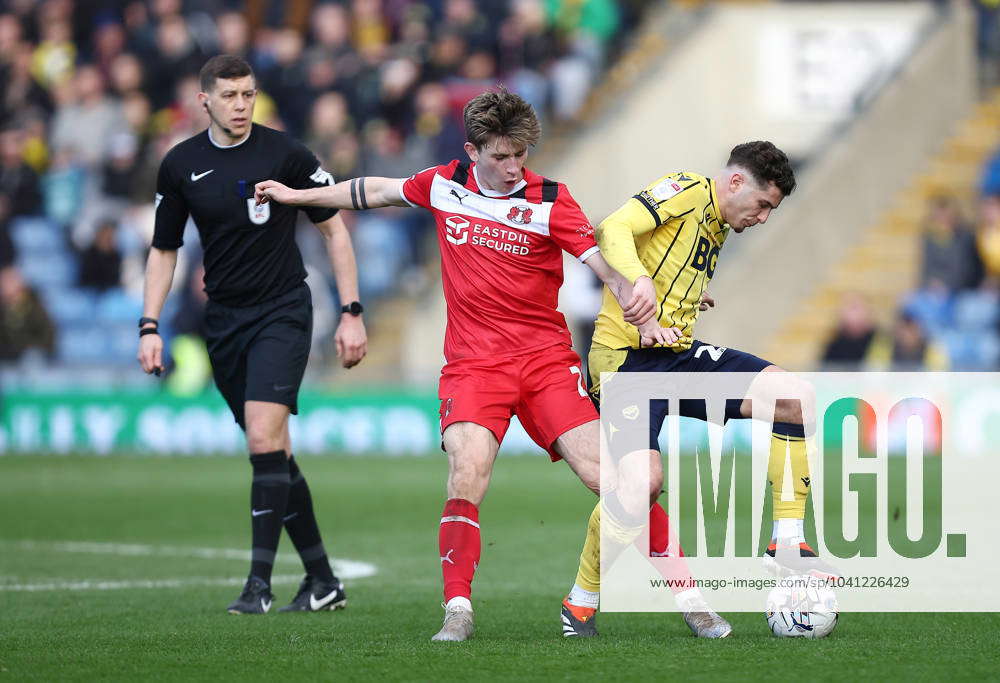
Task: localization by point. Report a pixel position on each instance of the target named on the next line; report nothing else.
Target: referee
(258, 319)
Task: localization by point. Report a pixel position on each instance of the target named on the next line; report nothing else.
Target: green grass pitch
(383, 512)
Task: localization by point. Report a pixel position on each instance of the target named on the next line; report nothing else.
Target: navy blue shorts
(701, 357)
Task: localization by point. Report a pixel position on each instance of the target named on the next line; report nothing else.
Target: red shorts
(543, 388)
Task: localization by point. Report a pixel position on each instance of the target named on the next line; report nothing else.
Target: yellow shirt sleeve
(616, 237)
(669, 197)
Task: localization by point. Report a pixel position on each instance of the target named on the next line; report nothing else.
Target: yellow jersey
(671, 231)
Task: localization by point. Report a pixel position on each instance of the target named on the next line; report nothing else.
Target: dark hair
(223, 66)
(766, 163)
(500, 114)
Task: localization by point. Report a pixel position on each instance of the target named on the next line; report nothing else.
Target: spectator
(126, 75)
(24, 322)
(7, 251)
(908, 349)
(328, 120)
(92, 95)
(18, 181)
(101, 263)
(949, 248)
(462, 18)
(52, 61)
(988, 235)
(108, 42)
(19, 90)
(234, 34)
(177, 56)
(853, 337)
(82, 127)
(584, 28)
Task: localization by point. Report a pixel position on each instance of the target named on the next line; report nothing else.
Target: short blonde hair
(500, 114)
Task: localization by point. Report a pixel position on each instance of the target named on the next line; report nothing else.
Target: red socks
(659, 539)
(458, 542)
(659, 532)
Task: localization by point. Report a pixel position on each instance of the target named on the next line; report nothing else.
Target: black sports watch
(354, 308)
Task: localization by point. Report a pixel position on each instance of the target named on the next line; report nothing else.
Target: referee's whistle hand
(150, 354)
(351, 340)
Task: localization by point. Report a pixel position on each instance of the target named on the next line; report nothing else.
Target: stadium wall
(853, 179)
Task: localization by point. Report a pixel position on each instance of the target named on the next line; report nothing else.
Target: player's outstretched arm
(159, 275)
(636, 307)
(350, 338)
(357, 193)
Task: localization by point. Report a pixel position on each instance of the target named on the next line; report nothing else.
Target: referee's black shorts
(259, 352)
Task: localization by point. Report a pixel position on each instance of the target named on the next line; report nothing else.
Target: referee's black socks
(300, 522)
(268, 503)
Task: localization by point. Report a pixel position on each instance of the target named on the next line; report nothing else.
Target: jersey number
(574, 370)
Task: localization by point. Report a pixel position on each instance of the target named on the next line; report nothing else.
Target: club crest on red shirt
(520, 214)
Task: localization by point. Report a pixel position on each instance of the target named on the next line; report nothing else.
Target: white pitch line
(110, 585)
(344, 568)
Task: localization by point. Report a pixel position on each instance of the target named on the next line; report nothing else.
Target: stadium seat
(117, 306)
(83, 343)
(36, 236)
(49, 270)
(121, 342)
(977, 310)
(68, 305)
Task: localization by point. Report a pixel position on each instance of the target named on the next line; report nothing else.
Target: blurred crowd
(951, 321)
(93, 93)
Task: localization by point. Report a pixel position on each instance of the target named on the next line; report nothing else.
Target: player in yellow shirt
(666, 240)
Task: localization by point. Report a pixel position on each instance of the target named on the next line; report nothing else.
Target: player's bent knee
(798, 396)
(655, 476)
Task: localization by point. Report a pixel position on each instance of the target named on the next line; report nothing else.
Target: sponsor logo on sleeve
(321, 177)
(665, 190)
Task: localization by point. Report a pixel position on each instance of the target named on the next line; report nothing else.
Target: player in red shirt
(501, 230)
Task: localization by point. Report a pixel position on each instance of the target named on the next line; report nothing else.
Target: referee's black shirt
(250, 252)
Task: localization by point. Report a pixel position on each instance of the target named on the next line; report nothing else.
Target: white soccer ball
(801, 607)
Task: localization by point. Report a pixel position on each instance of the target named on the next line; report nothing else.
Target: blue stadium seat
(35, 235)
(48, 270)
(68, 305)
(116, 306)
(122, 342)
(977, 311)
(83, 343)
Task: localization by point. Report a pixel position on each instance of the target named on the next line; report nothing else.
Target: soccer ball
(801, 607)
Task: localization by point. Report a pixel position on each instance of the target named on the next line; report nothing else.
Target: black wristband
(146, 321)
(354, 308)
(148, 330)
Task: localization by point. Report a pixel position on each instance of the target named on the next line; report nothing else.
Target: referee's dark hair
(223, 66)
(766, 163)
